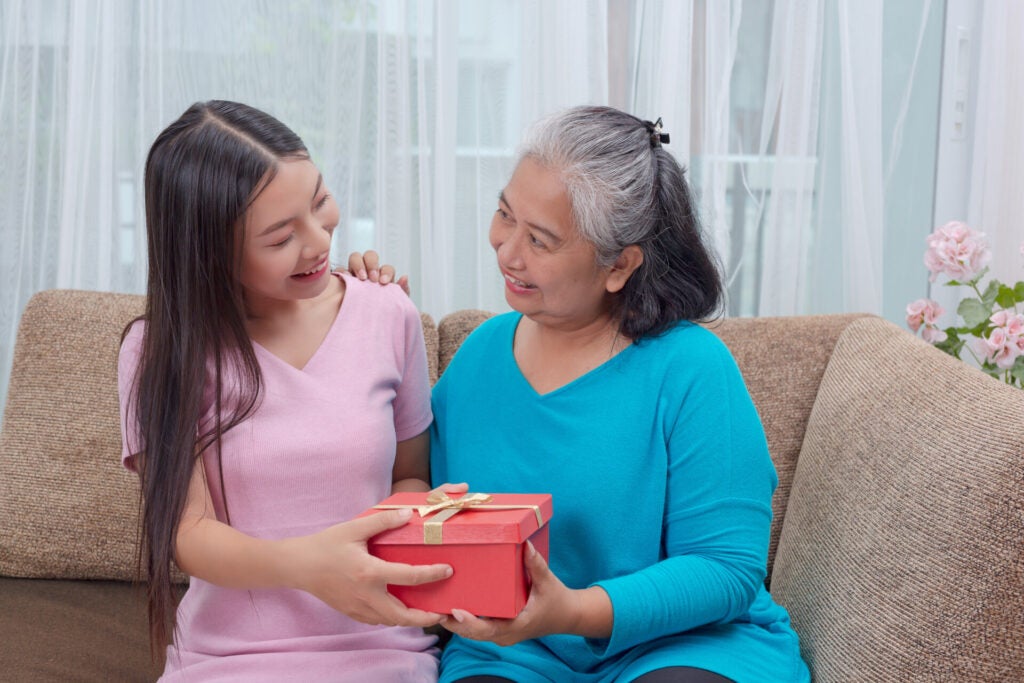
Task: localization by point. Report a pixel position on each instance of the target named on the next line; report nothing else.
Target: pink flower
(1010, 321)
(1004, 343)
(933, 335)
(924, 313)
(956, 251)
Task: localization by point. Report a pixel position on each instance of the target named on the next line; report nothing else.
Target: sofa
(897, 543)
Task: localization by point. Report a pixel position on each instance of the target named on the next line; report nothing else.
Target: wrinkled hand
(551, 608)
(337, 569)
(366, 266)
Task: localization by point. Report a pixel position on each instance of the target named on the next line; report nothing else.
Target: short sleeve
(412, 399)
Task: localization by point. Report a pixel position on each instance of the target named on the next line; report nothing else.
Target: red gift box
(483, 537)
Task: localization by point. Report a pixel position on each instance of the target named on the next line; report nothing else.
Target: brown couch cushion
(74, 631)
(431, 341)
(782, 391)
(67, 507)
(453, 329)
(902, 552)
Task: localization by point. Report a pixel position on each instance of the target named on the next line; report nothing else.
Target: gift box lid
(504, 518)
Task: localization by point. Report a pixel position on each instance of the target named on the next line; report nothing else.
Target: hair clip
(657, 137)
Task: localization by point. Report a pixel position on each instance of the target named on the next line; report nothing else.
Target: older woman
(600, 389)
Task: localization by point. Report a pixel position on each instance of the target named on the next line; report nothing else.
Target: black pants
(675, 674)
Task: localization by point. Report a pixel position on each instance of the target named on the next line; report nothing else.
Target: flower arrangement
(993, 326)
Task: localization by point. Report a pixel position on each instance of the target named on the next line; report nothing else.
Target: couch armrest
(902, 551)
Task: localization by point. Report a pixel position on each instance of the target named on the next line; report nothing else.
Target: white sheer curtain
(996, 195)
(413, 109)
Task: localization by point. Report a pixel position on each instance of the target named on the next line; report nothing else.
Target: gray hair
(626, 189)
(606, 161)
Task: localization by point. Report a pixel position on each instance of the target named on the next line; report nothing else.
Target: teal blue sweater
(662, 485)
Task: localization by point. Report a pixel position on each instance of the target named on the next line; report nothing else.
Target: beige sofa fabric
(453, 329)
(67, 507)
(430, 341)
(902, 553)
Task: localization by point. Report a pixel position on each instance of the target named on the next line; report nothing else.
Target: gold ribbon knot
(439, 500)
(447, 507)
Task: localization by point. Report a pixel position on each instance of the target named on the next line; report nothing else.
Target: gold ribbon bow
(447, 507)
(439, 500)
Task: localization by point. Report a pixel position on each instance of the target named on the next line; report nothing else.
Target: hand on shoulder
(366, 266)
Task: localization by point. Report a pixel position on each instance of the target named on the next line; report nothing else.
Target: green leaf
(1006, 298)
(982, 329)
(1018, 292)
(974, 312)
(1017, 371)
(951, 345)
(988, 297)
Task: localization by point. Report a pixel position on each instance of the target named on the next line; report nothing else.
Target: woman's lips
(518, 286)
(313, 274)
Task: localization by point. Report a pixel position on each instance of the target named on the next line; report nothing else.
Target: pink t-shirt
(318, 450)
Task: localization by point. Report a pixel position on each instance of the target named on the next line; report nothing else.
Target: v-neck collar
(517, 372)
(259, 348)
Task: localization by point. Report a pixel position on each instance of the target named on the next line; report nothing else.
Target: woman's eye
(503, 213)
(283, 242)
(323, 200)
(536, 242)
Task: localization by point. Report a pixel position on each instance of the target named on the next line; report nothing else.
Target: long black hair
(202, 174)
(626, 189)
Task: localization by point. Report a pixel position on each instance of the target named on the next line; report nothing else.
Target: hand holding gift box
(482, 536)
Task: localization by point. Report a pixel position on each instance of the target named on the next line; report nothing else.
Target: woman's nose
(317, 241)
(508, 246)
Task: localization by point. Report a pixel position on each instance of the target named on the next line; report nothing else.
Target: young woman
(601, 390)
(266, 400)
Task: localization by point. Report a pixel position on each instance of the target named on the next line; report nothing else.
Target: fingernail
(530, 550)
(373, 273)
(459, 615)
(385, 278)
(362, 273)
(404, 513)
(448, 572)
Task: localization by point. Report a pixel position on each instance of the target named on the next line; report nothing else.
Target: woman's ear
(628, 261)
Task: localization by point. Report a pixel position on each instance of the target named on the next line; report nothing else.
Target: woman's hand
(551, 608)
(461, 487)
(366, 266)
(334, 565)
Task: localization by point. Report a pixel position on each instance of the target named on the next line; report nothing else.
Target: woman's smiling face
(288, 231)
(551, 272)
